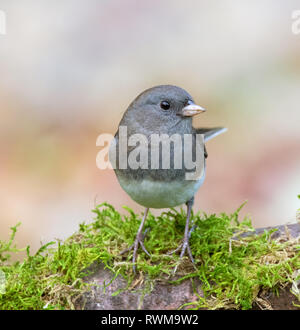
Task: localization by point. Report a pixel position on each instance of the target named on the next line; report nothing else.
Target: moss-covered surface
(232, 267)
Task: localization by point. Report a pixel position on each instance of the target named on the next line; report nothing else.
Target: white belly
(155, 194)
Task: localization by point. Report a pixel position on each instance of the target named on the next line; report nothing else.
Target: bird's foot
(184, 246)
(139, 240)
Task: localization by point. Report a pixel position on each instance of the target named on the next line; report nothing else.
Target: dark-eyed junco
(161, 111)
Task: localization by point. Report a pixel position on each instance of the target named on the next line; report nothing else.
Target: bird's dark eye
(165, 105)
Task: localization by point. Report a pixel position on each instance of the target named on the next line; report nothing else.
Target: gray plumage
(144, 116)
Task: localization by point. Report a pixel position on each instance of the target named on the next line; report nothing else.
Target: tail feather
(210, 133)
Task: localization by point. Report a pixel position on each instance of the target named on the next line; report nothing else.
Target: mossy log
(237, 267)
(110, 292)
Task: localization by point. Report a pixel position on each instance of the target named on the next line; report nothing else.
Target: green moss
(232, 268)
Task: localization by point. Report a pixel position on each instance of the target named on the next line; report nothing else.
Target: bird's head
(161, 108)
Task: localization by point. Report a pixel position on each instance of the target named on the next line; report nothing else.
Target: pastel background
(70, 68)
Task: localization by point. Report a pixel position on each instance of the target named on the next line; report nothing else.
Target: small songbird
(167, 110)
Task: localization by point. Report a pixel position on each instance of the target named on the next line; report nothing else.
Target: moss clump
(231, 266)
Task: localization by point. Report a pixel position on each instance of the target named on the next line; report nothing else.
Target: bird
(160, 110)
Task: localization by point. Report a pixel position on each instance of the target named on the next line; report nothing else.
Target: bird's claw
(139, 240)
(184, 246)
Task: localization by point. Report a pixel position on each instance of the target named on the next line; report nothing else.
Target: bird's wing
(210, 133)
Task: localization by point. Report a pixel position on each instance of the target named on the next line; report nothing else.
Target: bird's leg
(187, 233)
(185, 243)
(138, 241)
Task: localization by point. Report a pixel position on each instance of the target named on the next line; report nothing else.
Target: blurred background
(70, 68)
